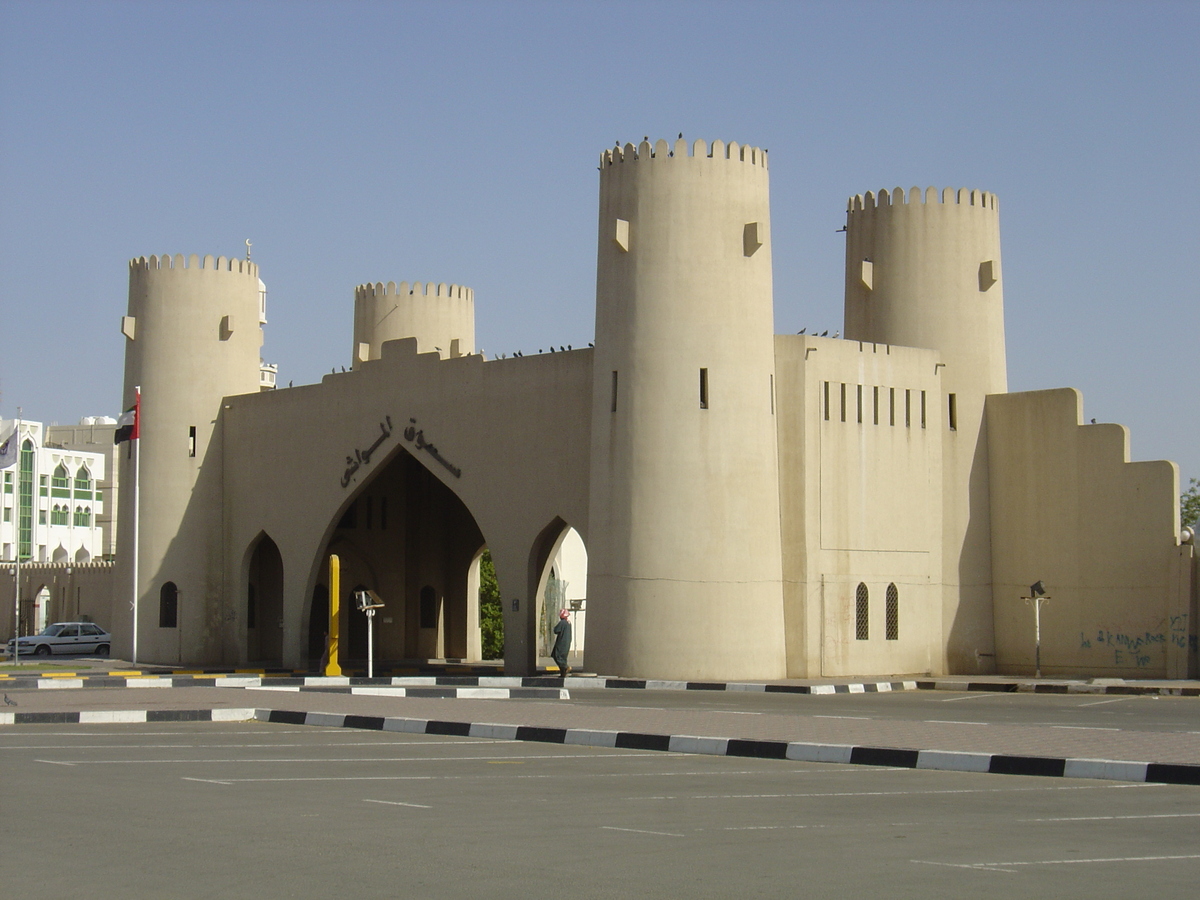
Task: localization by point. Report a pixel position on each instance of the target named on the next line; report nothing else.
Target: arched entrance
(409, 538)
(560, 562)
(263, 609)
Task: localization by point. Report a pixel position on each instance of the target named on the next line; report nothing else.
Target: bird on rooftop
(551, 348)
(802, 330)
(568, 346)
(289, 384)
(590, 344)
(837, 334)
(825, 333)
(681, 135)
(562, 348)
(840, 230)
(1093, 421)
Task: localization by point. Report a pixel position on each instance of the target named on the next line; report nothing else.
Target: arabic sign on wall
(412, 434)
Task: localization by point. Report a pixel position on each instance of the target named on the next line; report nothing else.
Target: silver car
(66, 637)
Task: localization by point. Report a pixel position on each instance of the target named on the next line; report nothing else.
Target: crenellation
(699, 149)
(416, 288)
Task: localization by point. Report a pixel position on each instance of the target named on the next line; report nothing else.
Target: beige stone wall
(923, 270)
(1070, 509)
(516, 432)
(75, 591)
(860, 502)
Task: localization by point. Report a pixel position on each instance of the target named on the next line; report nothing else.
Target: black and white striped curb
(126, 716)
(437, 693)
(944, 760)
(444, 681)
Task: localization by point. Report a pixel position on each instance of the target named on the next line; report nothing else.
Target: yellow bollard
(335, 590)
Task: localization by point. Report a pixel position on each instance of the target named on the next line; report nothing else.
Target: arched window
(168, 606)
(83, 517)
(83, 479)
(59, 515)
(862, 613)
(892, 615)
(60, 480)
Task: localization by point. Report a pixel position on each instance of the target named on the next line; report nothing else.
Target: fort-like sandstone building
(754, 505)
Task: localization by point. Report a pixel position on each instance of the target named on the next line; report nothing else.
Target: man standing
(562, 641)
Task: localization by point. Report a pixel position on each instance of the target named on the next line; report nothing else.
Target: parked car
(66, 637)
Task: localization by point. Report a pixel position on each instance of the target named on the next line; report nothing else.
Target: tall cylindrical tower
(440, 316)
(684, 569)
(923, 270)
(193, 337)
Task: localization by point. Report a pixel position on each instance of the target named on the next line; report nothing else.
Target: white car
(66, 637)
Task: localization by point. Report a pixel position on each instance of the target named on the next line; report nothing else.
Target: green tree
(1189, 504)
(491, 614)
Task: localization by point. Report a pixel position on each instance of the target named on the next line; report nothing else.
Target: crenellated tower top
(193, 262)
(700, 149)
(916, 197)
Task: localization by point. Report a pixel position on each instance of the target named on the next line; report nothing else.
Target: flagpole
(137, 502)
(16, 657)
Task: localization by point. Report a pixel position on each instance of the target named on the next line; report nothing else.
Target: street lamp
(368, 602)
(1037, 596)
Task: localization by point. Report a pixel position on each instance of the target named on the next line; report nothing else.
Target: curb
(126, 716)
(944, 760)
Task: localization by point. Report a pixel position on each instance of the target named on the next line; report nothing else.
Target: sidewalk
(1171, 757)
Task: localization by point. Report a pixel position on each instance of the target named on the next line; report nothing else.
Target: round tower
(440, 316)
(923, 270)
(684, 568)
(193, 337)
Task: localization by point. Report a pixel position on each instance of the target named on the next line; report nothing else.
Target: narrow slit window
(954, 412)
(168, 605)
(907, 408)
(614, 390)
(891, 406)
(862, 600)
(859, 394)
(826, 401)
(704, 388)
(875, 401)
(843, 401)
(191, 440)
(892, 615)
(922, 409)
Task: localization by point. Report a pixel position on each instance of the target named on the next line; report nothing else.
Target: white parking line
(641, 831)
(862, 718)
(972, 696)
(1085, 727)
(788, 796)
(399, 803)
(1102, 702)
(1008, 866)
(1194, 815)
(952, 722)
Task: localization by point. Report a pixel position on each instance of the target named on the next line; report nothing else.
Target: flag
(9, 450)
(129, 426)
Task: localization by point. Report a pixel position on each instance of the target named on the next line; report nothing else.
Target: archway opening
(562, 584)
(408, 537)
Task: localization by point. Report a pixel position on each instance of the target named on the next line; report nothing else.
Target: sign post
(335, 589)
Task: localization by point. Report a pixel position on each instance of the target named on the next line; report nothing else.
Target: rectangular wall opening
(891, 406)
(859, 404)
(704, 388)
(191, 440)
(843, 401)
(922, 409)
(954, 412)
(875, 402)
(614, 390)
(826, 401)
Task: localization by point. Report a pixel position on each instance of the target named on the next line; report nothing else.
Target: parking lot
(257, 810)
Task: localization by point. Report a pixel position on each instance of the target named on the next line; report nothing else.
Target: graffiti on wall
(1137, 649)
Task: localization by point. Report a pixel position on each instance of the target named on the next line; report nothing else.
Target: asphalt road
(263, 811)
(1130, 712)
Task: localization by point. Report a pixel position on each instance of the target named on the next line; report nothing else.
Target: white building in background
(57, 499)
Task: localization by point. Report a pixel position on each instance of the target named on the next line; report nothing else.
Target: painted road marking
(952, 722)
(980, 696)
(398, 803)
(862, 718)
(1008, 866)
(641, 831)
(788, 796)
(1102, 702)
(1114, 818)
(1085, 727)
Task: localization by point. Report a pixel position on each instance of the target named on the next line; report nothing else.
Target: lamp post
(1037, 596)
(368, 602)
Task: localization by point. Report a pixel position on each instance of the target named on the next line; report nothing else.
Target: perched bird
(802, 330)
(289, 384)
(843, 228)
(1093, 421)
(825, 333)
(562, 348)
(551, 348)
(568, 346)
(681, 135)
(590, 344)
(837, 334)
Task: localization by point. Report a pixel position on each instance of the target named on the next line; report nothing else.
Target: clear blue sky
(457, 142)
